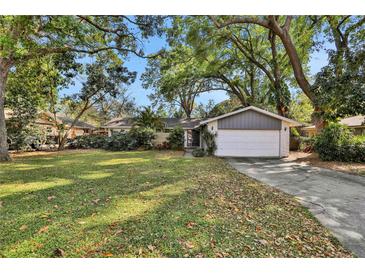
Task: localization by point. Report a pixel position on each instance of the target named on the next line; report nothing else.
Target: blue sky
(154, 44)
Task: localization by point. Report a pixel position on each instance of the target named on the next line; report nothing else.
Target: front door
(196, 138)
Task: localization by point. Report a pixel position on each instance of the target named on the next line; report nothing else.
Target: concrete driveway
(336, 199)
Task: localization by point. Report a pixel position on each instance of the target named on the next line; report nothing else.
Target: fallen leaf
(108, 254)
(58, 252)
(189, 245)
(120, 231)
(151, 247)
(23, 227)
(190, 225)
(50, 198)
(43, 229)
(82, 223)
(263, 242)
(140, 251)
(96, 201)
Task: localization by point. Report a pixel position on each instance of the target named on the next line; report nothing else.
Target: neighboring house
(356, 123)
(80, 128)
(46, 122)
(126, 124)
(247, 132)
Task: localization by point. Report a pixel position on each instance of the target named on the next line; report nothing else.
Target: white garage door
(248, 143)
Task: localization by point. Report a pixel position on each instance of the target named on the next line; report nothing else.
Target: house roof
(184, 123)
(128, 122)
(79, 124)
(354, 121)
(290, 121)
(120, 122)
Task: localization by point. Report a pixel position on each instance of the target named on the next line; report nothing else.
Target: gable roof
(354, 121)
(120, 122)
(79, 124)
(265, 112)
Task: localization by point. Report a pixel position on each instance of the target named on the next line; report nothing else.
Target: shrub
(337, 143)
(163, 146)
(142, 137)
(120, 141)
(176, 138)
(198, 152)
(30, 138)
(209, 139)
(306, 144)
(359, 139)
(89, 141)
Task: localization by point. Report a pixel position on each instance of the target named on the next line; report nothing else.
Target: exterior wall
(284, 139)
(359, 130)
(160, 138)
(117, 130)
(250, 120)
(74, 132)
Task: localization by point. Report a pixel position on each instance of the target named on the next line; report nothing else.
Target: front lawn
(148, 204)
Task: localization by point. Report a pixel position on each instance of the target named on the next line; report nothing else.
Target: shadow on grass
(88, 188)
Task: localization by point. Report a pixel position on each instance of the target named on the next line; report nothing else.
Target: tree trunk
(63, 138)
(296, 65)
(317, 119)
(4, 153)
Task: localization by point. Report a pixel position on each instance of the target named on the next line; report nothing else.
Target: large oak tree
(23, 38)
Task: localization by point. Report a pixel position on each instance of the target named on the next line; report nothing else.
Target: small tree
(209, 139)
(142, 136)
(176, 138)
(149, 119)
(103, 79)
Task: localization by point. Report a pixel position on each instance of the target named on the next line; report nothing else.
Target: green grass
(148, 204)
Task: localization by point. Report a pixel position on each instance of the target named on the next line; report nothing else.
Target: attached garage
(251, 132)
(248, 143)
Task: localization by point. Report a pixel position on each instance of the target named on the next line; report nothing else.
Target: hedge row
(136, 138)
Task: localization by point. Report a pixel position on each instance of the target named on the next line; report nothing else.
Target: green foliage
(301, 108)
(143, 136)
(198, 152)
(176, 138)
(342, 94)
(30, 138)
(120, 141)
(147, 118)
(294, 132)
(136, 138)
(89, 141)
(209, 139)
(337, 143)
(306, 143)
(360, 139)
(19, 127)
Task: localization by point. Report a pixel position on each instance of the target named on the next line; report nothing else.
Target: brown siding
(249, 119)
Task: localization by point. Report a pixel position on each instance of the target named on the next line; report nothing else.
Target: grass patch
(149, 204)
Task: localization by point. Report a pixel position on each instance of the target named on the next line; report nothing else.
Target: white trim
(290, 121)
